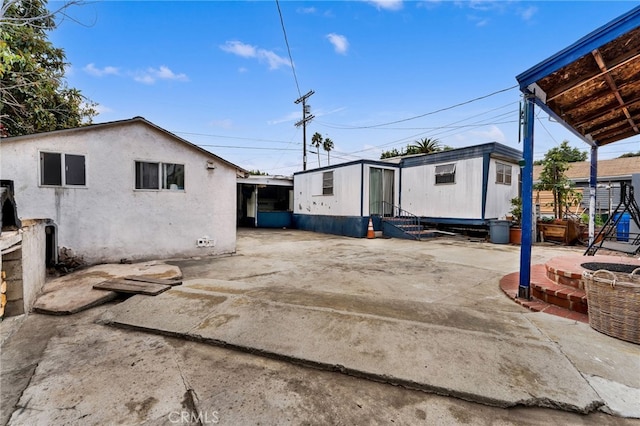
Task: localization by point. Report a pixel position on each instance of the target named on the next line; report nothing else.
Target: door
(380, 191)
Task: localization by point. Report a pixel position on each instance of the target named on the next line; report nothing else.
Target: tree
(258, 173)
(567, 153)
(34, 96)
(327, 145)
(424, 146)
(630, 154)
(553, 178)
(421, 146)
(316, 140)
(391, 153)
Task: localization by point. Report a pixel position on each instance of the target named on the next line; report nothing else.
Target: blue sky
(218, 73)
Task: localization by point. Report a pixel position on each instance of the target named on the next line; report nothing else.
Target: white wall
(108, 219)
(462, 200)
(422, 197)
(33, 261)
(347, 185)
(499, 195)
(345, 201)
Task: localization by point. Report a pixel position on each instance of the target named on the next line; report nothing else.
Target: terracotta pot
(515, 235)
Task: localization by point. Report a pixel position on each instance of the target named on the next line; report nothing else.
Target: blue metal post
(524, 290)
(593, 185)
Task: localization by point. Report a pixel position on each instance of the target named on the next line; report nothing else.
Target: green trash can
(499, 231)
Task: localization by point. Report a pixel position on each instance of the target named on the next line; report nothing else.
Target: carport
(593, 89)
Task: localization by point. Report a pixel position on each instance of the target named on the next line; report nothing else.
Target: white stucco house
(124, 190)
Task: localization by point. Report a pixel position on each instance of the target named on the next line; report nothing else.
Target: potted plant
(515, 230)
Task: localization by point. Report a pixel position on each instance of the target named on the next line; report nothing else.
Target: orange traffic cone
(370, 232)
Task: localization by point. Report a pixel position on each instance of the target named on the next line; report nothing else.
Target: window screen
(50, 169)
(74, 170)
(147, 175)
(173, 176)
(327, 183)
(503, 173)
(446, 173)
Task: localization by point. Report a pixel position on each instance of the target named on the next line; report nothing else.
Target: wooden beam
(612, 84)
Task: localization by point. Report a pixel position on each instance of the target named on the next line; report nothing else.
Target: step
(565, 296)
(561, 273)
(551, 298)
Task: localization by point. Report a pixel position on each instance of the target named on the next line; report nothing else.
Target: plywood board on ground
(153, 280)
(132, 287)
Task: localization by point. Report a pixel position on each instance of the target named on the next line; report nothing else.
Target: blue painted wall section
(349, 226)
(486, 162)
(274, 219)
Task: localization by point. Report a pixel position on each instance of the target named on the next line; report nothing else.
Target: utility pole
(306, 117)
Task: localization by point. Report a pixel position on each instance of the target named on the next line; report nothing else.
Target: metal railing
(390, 211)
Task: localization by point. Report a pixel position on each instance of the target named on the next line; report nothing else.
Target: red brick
(555, 310)
(572, 282)
(580, 308)
(558, 301)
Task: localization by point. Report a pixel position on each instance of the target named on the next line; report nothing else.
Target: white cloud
(151, 75)
(239, 48)
(247, 51)
(292, 116)
(102, 109)
(386, 4)
(528, 13)
(306, 10)
(224, 123)
(340, 43)
(493, 134)
(91, 69)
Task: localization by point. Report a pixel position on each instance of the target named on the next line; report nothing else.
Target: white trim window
(166, 176)
(503, 173)
(58, 169)
(445, 174)
(327, 183)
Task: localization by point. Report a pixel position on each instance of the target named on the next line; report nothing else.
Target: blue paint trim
(350, 163)
(274, 219)
(486, 162)
(594, 40)
(400, 187)
(527, 200)
(494, 149)
(362, 189)
(456, 221)
(348, 226)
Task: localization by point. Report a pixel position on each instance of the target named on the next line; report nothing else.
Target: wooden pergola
(593, 89)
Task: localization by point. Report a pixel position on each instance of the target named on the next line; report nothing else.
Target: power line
(233, 137)
(286, 41)
(247, 147)
(433, 112)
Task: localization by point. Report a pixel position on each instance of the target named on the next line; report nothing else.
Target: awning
(593, 86)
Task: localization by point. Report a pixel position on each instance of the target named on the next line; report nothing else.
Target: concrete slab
(494, 363)
(611, 366)
(74, 292)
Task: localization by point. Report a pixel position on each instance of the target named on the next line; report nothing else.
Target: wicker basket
(614, 303)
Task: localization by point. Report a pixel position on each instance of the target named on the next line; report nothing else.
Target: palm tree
(316, 140)
(425, 146)
(327, 146)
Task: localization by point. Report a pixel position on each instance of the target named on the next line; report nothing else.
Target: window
(446, 173)
(503, 173)
(327, 183)
(159, 175)
(55, 166)
(173, 176)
